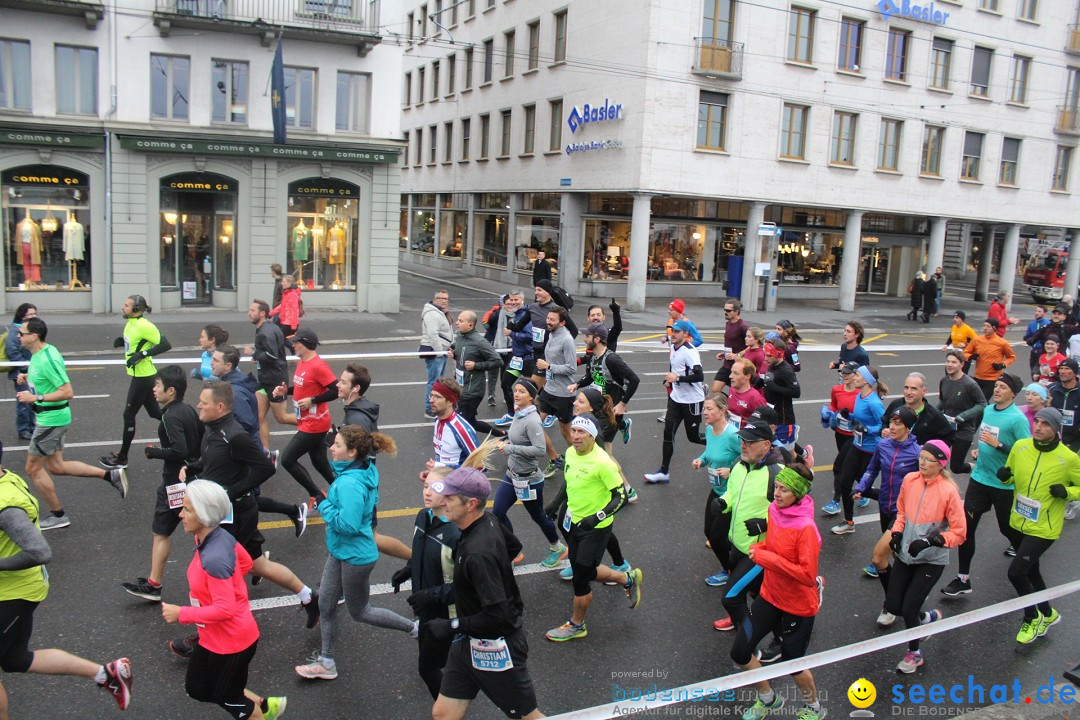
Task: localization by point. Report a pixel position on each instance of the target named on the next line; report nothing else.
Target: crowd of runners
(521, 356)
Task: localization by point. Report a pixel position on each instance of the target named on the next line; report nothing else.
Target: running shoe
(143, 589)
(112, 460)
(809, 713)
(626, 431)
(957, 587)
(862, 502)
(504, 420)
(553, 467)
(311, 607)
(555, 556)
(548, 421)
(845, 527)
(183, 647)
(911, 662)
(300, 521)
(759, 710)
(931, 616)
(632, 496)
(885, 618)
(491, 399)
(808, 455)
(718, 579)
(870, 570)
(519, 559)
(26, 436)
(275, 707)
(831, 508)
(723, 624)
(658, 477)
(274, 455)
(55, 523)
(317, 668)
(624, 568)
(770, 654)
(1048, 621)
(1009, 551)
(118, 681)
(633, 591)
(256, 579)
(567, 573)
(661, 418)
(117, 477)
(567, 631)
(1030, 629)
(1070, 508)
(819, 581)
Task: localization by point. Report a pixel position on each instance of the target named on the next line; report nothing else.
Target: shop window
(323, 222)
(532, 234)
(354, 101)
(229, 90)
(14, 75)
(169, 87)
(607, 249)
(809, 258)
(76, 80)
(422, 236)
(300, 98)
(403, 224)
(490, 232)
(198, 235)
(46, 215)
(452, 229)
(677, 250)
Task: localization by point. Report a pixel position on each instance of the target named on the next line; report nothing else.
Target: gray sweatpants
(340, 576)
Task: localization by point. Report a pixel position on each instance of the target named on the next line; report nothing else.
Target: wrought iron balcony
(348, 22)
(718, 58)
(90, 10)
(1068, 120)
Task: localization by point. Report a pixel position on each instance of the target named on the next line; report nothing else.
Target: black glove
(998, 366)
(974, 357)
(552, 510)
(719, 505)
(135, 358)
(589, 522)
(959, 421)
(439, 628)
(858, 427)
(331, 435)
(768, 377)
(871, 492)
(756, 526)
(118, 342)
(422, 600)
(614, 306)
(400, 577)
(936, 539)
(897, 538)
(758, 382)
(153, 452)
(844, 413)
(917, 546)
(1058, 490)
(1004, 474)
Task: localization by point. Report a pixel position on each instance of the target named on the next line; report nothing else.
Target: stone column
(571, 242)
(936, 254)
(640, 224)
(986, 256)
(849, 260)
(1009, 252)
(751, 255)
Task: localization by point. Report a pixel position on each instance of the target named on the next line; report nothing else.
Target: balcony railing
(1068, 120)
(90, 10)
(308, 19)
(718, 58)
(1072, 45)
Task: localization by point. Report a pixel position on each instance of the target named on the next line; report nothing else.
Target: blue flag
(277, 96)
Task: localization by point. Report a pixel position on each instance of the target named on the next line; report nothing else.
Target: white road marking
(77, 397)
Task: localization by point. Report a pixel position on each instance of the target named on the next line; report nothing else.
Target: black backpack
(562, 297)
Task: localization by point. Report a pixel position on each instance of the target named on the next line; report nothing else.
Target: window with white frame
(559, 52)
(852, 31)
(468, 68)
(489, 59)
(407, 90)
(1010, 157)
(451, 74)
(509, 41)
(980, 71)
(1027, 9)
(896, 54)
(170, 78)
(419, 158)
(793, 131)
(14, 75)
(940, 63)
(77, 80)
(300, 97)
(1062, 161)
(930, 160)
(528, 146)
(353, 111)
(1018, 79)
(485, 135)
(991, 5)
(712, 120)
(433, 143)
(555, 108)
(973, 146)
(534, 45)
(421, 78)
(504, 144)
(448, 141)
(800, 43)
(435, 80)
(889, 144)
(466, 128)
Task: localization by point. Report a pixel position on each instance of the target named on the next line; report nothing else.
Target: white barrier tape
(713, 689)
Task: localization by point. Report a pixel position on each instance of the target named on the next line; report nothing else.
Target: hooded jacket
(525, 446)
(471, 345)
(435, 331)
(1068, 402)
(231, 458)
(434, 544)
(893, 461)
(930, 423)
(364, 413)
(1035, 468)
(349, 509)
(749, 492)
(245, 406)
(789, 557)
(925, 507)
(288, 311)
(271, 358)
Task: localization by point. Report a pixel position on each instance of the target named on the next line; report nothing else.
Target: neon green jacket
(1035, 511)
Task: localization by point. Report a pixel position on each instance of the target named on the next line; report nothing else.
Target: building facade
(773, 149)
(137, 153)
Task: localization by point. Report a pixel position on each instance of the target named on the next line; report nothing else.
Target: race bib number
(568, 520)
(715, 477)
(459, 375)
(175, 495)
(195, 603)
(1027, 508)
(538, 335)
(490, 655)
(794, 358)
(858, 439)
(516, 363)
(228, 518)
(522, 491)
(843, 424)
(994, 431)
(952, 420)
(1067, 418)
(296, 410)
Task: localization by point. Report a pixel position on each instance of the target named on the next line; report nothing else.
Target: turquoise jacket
(349, 509)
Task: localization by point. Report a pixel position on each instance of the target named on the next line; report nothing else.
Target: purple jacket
(893, 461)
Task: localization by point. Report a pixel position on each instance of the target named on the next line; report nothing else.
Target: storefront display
(537, 230)
(490, 235)
(453, 224)
(323, 222)
(607, 249)
(198, 235)
(46, 244)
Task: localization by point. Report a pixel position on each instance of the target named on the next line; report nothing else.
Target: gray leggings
(340, 576)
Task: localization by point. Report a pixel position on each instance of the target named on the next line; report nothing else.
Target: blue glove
(826, 416)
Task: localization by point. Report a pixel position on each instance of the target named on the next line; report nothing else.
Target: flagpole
(270, 75)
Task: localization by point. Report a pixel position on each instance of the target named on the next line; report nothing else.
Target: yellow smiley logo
(862, 693)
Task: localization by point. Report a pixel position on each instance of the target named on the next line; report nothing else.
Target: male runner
(686, 393)
(141, 342)
(734, 341)
(271, 368)
(991, 354)
(961, 400)
(675, 314)
(1065, 396)
(474, 357)
(49, 393)
(781, 388)
(453, 438)
(558, 365)
(608, 373)
(930, 423)
(594, 493)
(489, 652)
(180, 433)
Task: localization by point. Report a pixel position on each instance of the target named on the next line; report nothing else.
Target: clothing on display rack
(74, 240)
(28, 237)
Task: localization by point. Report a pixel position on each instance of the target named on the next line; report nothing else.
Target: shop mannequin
(337, 251)
(28, 237)
(74, 249)
(301, 248)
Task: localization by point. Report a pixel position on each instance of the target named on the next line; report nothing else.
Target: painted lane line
(77, 397)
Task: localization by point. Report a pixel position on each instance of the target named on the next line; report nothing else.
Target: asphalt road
(669, 635)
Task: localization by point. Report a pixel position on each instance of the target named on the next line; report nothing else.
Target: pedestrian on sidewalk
(915, 292)
(436, 334)
(930, 297)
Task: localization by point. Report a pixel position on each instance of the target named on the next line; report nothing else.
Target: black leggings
(221, 679)
(854, 465)
(979, 499)
(793, 631)
(734, 600)
(140, 395)
(716, 530)
(433, 653)
(678, 414)
(467, 408)
(505, 499)
(270, 505)
(314, 445)
(909, 586)
(958, 462)
(1024, 571)
(16, 627)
